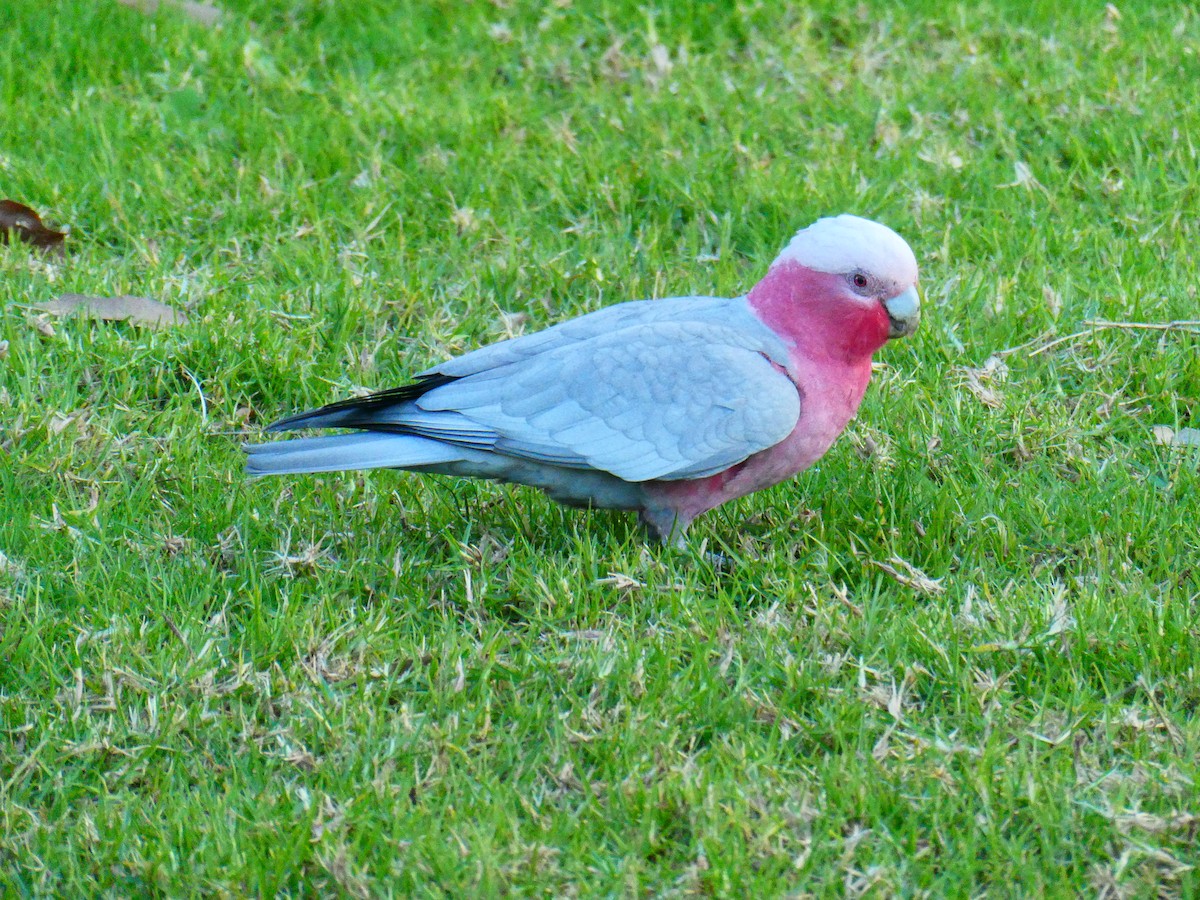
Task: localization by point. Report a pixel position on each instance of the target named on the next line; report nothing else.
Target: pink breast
(831, 338)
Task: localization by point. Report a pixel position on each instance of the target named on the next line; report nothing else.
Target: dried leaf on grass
(622, 582)
(1187, 822)
(1169, 437)
(126, 307)
(909, 575)
(978, 381)
(57, 422)
(42, 326)
(202, 13)
(984, 394)
(10, 566)
(19, 221)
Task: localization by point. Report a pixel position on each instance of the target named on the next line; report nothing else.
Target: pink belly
(827, 406)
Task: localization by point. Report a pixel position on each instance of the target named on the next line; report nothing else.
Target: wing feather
(668, 389)
(678, 400)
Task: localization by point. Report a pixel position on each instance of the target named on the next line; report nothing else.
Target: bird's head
(848, 281)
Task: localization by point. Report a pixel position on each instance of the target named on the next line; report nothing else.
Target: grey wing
(608, 318)
(658, 400)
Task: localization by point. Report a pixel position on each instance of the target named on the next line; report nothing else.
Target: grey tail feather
(341, 452)
(360, 412)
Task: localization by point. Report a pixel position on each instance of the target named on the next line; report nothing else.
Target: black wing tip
(369, 403)
(299, 420)
(290, 422)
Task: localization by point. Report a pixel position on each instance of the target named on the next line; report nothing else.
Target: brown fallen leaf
(621, 582)
(1163, 434)
(10, 566)
(977, 381)
(1169, 437)
(910, 576)
(1175, 821)
(42, 326)
(982, 392)
(57, 422)
(18, 220)
(202, 13)
(126, 307)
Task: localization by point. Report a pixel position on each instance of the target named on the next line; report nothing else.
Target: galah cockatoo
(668, 407)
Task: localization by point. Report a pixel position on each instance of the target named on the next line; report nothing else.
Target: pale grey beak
(904, 313)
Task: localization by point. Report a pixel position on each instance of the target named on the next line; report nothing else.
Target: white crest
(844, 244)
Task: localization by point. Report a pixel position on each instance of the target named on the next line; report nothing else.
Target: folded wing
(641, 396)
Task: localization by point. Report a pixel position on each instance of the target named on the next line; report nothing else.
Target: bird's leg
(671, 528)
(666, 525)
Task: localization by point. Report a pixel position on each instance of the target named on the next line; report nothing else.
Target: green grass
(374, 684)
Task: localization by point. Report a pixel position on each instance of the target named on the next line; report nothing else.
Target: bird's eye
(859, 280)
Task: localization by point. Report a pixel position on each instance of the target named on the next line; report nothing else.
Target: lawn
(961, 656)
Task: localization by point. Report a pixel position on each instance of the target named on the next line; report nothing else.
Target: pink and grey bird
(668, 407)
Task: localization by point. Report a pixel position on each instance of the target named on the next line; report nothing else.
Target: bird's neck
(810, 309)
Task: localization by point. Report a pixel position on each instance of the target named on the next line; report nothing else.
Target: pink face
(841, 288)
(826, 314)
